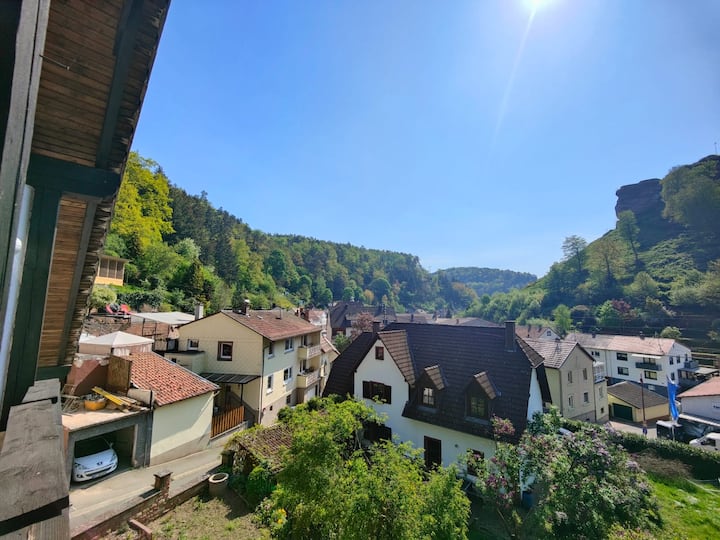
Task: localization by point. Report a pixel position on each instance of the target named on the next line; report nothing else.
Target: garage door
(622, 411)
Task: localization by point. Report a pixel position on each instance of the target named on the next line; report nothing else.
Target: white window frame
(193, 344)
(290, 344)
(287, 375)
(271, 349)
(269, 384)
(224, 357)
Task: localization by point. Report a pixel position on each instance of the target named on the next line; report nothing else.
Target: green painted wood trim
(55, 372)
(33, 293)
(50, 173)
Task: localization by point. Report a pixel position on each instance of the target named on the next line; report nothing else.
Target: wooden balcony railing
(306, 352)
(227, 420)
(307, 378)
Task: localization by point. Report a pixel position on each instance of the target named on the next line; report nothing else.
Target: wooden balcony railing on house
(227, 420)
(306, 352)
(307, 378)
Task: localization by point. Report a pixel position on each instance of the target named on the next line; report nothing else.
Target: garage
(128, 432)
(622, 411)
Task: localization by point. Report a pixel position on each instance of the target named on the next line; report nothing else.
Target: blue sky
(475, 133)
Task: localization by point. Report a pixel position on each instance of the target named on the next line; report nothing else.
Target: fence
(227, 420)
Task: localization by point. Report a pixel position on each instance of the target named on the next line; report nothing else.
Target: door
(622, 411)
(433, 452)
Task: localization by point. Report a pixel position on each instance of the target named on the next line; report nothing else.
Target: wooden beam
(24, 26)
(128, 28)
(33, 292)
(51, 173)
(32, 462)
(77, 277)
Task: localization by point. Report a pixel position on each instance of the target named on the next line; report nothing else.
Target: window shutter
(367, 389)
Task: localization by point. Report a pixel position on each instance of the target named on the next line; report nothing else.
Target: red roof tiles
(168, 381)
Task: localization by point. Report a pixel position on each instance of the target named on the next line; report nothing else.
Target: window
(225, 350)
(621, 356)
(672, 360)
(193, 344)
(570, 377)
(271, 349)
(596, 353)
(602, 410)
(672, 376)
(304, 341)
(601, 392)
(379, 353)
(548, 333)
(288, 399)
(584, 374)
(289, 344)
(586, 397)
(571, 401)
(377, 390)
(651, 375)
(477, 406)
(428, 397)
(287, 375)
(269, 384)
(433, 452)
(623, 371)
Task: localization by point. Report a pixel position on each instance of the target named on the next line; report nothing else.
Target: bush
(259, 485)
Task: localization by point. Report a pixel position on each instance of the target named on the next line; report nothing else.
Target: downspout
(148, 434)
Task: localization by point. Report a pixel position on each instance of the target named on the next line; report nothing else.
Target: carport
(128, 431)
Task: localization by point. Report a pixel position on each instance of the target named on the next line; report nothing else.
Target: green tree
(606, 260)
(643, 286)
(629, 231)
(671, 332)
(692, 196)
(142, 211)
(101, 296)
(562, 319)
(331, 487)
(380, 288)
(574, 251)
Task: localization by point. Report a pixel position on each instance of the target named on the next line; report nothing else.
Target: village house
(651, 360)
(634, 403)
(441, 385)
(263, 360)
(343, 314)
(703, 400)
(577, 382)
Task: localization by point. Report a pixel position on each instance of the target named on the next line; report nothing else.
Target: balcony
(691, 364)
(598, 372)
(648, 365)
(306, 379)
(306, 352)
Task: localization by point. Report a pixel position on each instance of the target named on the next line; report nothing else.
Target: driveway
(632, 427)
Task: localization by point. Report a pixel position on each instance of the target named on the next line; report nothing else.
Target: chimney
(510, 336)
(199, 311)
(642, 336)
(412, 317)
(245, 307)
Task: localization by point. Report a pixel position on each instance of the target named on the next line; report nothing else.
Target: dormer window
(428, 397)
(477, 406)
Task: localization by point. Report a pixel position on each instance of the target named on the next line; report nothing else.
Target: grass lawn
(204, 518)
(689, 509)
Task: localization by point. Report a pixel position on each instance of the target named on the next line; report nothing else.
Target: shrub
(259, 484)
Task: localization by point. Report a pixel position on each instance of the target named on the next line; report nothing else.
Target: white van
(710, 442)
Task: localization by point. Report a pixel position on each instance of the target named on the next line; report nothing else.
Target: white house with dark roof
(632, 358)
(440, 385)
(263, 360)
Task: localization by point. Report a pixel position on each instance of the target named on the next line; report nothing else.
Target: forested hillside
(182, 251)
(657, 271)
(489, 280)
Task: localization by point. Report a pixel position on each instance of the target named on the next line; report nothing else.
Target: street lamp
(642, 403)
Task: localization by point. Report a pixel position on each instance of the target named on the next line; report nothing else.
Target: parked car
(93, 458)
(710, 442)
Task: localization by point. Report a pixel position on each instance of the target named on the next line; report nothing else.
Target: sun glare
(535, 5)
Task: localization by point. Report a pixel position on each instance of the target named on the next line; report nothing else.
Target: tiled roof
(631, 344)
(342, 313)
(264, 444)
(467, 321)
(555, 352)
(434, 373)
(274, 324)
(630, 393)
(342, 375)
(417, 318)
(711, 387)
(396, 344)
(169, 381)
(530, 331)
(462, 353)
(483, 380)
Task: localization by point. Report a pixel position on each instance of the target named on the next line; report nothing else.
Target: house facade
(635, 358)
(577, 382)
(702, 400)
(261, 359)
(629, 401)
(439, 386)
